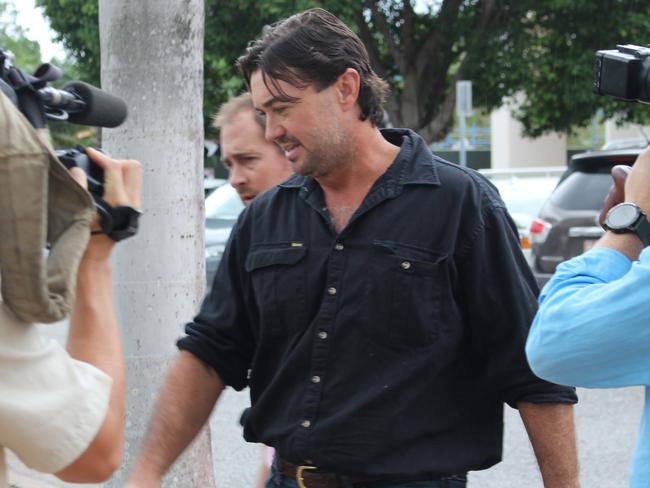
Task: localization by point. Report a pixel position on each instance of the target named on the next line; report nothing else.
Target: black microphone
(81, 103)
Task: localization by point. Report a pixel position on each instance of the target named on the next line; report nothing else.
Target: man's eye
(279, 110)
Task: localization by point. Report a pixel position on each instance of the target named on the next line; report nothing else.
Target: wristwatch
(626, 218)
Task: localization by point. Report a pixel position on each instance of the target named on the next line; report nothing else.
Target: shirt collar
(414, 164)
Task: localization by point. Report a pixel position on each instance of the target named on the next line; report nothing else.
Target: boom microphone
(81, 103)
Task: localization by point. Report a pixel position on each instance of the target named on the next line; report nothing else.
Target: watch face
(622, 216)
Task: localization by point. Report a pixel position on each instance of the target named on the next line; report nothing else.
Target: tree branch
(439, 126)
(408, 31)
(392, 103)
(486, 15)
(436, 56)
(382, 26)
(366, 37)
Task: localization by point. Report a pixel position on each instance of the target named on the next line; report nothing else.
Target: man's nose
(273, 130)
(236, 176)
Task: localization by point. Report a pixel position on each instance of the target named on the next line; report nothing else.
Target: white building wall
(510, 149)
(625, 132)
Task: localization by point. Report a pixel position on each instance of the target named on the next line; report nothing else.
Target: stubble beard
(329, 153)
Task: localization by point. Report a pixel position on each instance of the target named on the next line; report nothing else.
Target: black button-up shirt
(388, 348)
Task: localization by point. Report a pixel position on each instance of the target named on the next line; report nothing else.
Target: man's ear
(347, 88)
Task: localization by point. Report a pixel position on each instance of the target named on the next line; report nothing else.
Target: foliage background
(28, 57)
(542, 49)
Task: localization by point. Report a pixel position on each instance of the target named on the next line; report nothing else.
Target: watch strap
(118, 223)
(642, 229)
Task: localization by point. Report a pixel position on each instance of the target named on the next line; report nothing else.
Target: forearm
(94, 335)
(551, 431)
(94, 339)
(628, 244)
(187, 398)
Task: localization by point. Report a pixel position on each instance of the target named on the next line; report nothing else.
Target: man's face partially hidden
(255, 164)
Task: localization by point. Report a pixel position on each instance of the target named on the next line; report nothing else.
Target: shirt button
(331, 290)
(306, 424)
(322, 335)
(339, 247)
(406, 265)
(315, 379)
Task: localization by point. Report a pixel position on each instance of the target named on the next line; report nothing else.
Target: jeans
(278, 480)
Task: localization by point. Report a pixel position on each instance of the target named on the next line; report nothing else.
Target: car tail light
(525, 242)
(539, 230)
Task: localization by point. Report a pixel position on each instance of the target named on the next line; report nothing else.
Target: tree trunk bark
(152, 57)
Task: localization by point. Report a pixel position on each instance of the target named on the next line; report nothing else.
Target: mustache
(285, 139)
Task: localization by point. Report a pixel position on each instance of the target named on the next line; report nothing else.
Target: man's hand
(637, 190)
(637, 186)
(122, 179)
(616, 193)
(122, 187)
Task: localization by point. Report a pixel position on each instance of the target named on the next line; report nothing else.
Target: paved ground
(607, 422)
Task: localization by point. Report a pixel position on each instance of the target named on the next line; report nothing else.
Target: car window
(223, 203)
(582, 191)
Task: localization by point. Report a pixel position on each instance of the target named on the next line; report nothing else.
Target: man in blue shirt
(591, 328)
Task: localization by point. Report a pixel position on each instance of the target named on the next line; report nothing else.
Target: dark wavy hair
(314, 48)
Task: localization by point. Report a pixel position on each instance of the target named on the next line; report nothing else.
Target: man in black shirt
(376, 303)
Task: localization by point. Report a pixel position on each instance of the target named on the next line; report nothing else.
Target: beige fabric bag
(40, 203)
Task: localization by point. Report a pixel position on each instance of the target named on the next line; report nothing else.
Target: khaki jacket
(40, 204)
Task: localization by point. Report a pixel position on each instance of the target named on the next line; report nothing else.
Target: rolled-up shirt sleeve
(500, 292)
(592, 328)
(220, 335)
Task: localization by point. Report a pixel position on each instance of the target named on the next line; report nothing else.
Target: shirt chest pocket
(403, 293)
(279, 276)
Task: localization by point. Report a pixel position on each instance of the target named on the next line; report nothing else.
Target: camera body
(77, 157)
(623, 73)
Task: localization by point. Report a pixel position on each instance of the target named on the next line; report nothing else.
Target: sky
(38, 29)
(32, 19)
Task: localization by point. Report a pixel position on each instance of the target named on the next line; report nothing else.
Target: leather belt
(313, 477)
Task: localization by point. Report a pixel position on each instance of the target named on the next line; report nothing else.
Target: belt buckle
(299, 471)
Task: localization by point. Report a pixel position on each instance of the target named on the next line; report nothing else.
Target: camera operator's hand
(122, 187)
(637, 186)
(637, 190)
(122, 179)
(616, 193)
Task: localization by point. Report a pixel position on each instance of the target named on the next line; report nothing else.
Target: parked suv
(567, 224)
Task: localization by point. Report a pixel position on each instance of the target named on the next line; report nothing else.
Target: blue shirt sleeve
(592, 328)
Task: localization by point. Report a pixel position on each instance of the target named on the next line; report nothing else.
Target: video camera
(79, 103)
(623, 73)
